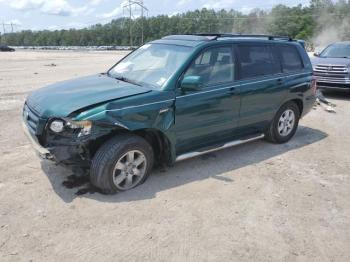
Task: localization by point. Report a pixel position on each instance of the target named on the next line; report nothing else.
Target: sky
(65, 14)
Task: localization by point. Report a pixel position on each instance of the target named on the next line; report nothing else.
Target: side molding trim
(227, 145)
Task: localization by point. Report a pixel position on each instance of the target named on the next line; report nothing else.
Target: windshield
(337, 51)
(151, 64)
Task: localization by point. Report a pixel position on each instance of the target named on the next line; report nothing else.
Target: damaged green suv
(169, 100)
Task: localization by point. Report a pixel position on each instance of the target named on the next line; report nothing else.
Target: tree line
(301, 22)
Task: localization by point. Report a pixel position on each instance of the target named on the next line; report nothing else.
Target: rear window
(291, 60)
(257, 60)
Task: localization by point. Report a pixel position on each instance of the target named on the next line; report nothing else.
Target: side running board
(226, 145)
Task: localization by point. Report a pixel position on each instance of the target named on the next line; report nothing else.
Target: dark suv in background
(5, 48)
(172, 99)
(332, 67)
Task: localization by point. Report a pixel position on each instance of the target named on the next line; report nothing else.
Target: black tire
(272, 134)
(106, 158)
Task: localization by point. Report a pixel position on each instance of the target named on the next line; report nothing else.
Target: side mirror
(317, 54)
(191, 83)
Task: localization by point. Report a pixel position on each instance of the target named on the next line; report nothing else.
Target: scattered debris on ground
(324, 103)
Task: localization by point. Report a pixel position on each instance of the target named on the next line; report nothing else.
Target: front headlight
(58, 126)
(84, 126)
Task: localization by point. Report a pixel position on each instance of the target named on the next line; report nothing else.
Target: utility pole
(129, 7)
(4, 31)
(142, 8)
(135, 3)
(11, 27)
(130, 23)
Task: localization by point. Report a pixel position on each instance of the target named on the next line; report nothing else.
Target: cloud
(246, 9)
(219, 4)
(183, 2)
(96, 2)
(26, 5)
(56, 7)
(115, 12)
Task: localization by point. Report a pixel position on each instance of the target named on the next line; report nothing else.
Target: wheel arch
(299, 103)
(160, 142)
(297, 100)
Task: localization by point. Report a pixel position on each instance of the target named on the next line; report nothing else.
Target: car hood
(64, 98)
(330, 61)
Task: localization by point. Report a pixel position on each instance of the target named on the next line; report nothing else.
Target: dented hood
(62, 99)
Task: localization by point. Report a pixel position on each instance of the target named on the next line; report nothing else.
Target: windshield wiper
(127, 80)
(335, 56)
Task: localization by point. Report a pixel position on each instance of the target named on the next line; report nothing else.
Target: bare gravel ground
(256, 202)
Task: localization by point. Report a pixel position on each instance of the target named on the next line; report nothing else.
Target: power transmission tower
(12, 25)
(129, 6)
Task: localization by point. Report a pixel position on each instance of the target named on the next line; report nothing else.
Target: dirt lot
(256, 202)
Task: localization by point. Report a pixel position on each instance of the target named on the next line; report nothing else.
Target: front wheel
(284, 124)
(122, 163)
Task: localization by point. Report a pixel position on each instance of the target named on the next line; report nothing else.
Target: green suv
(170, 100)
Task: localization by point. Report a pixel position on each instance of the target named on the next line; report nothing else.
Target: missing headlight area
(60, 125)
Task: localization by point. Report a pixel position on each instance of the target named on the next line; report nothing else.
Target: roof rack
(211, 36)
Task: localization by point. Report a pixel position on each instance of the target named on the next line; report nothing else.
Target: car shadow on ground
(213, 165)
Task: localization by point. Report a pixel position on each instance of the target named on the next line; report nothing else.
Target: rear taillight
(314, 85)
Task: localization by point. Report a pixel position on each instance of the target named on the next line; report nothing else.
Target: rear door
(297, 76)
(206, 115)
(261, 84)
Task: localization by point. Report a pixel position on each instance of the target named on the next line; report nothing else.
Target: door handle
(280, 81)
(233, 90)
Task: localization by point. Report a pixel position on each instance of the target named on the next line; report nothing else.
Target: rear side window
(291, 60)
(257, 60)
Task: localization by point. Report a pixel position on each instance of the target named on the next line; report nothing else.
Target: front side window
(213, 66)
(257, 60)
(291, 60)
(152, 64)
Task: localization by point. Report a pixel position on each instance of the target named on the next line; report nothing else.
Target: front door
(207, 115)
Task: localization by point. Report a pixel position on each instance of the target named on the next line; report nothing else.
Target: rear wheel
(122, 163)
(284, 124)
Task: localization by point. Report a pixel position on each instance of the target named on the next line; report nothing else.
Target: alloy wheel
(286, 122)
(129, 170)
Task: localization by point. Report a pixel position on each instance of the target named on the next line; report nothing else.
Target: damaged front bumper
(42, 152)
(62, 154)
